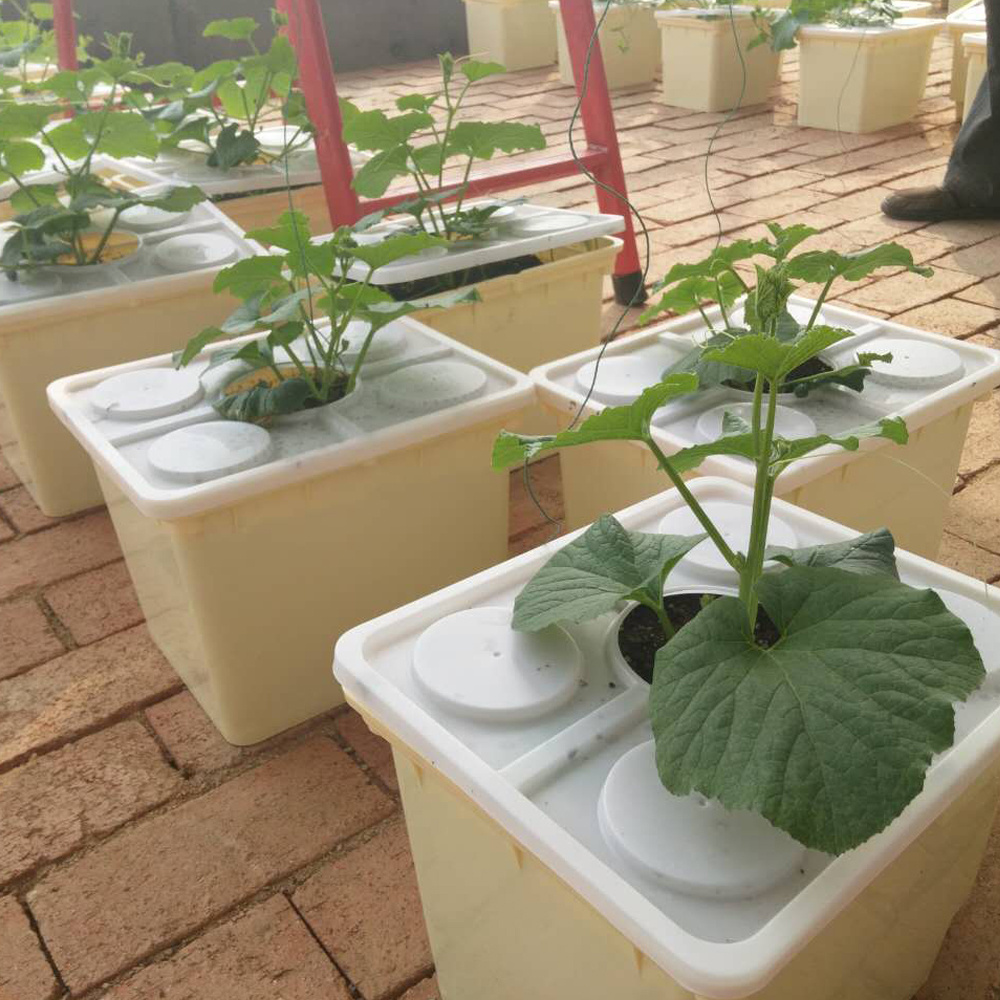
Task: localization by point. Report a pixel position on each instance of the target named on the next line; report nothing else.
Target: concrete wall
(361, 33)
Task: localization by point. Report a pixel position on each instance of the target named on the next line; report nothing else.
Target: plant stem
(661, 613)
(689, 498)
(819, 303)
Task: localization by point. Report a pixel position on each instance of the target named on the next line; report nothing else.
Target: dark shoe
(933, 204)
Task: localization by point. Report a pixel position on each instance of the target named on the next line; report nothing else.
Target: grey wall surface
(361, 33)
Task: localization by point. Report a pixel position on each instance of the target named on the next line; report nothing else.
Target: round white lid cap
(473, 663)
(146, 394)
(619, 379)
(916, 364)
(690, 844)
(207, 451)
(146, 217)
(789, 423)
(194, 251)
(430, 386)
(733, 521)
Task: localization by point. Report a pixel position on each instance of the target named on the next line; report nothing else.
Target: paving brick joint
(142, 856)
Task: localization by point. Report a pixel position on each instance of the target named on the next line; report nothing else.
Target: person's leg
(971, 187)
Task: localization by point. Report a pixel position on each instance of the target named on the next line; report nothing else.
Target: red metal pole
(64, 24)
(308, 35)
(599, 128)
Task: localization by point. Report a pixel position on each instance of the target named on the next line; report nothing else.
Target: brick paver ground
(141, 856)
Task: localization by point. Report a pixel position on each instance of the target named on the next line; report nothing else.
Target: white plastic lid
(473, 663)
(30, 285)
(145, 217)
(388, 341)
(145, 394)
(538, 225)
(274, 139)
(620, 379)
(733, 521)
(981, 621)
(788, 423)
(431, 386)
(207, 451)
(916, 364)
(194, 251)
(691, 845)
(199, 171)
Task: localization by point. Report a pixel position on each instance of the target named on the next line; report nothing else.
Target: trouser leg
(974, 168)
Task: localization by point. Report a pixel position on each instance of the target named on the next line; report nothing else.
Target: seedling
(70, 219)
(320, 324)
(422, 141)
(828, 726)
(222, 108)
(717, 279)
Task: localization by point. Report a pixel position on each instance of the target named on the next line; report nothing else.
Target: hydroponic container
(553, 863)
(535, 315)
(520, 34)
(253, 548)
(932, 382)
(61, 320)
(969, 17)
(863, 79)
(974, 44)
(707, 65)
(254, 195)
(630, 44)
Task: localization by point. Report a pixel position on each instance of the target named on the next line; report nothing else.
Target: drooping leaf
(820, 266)
(234, 145)
(827, 733)
(787, 451)
(872, 552)
(616, 423)
(592, 574)
(377, 255)
(197, 344)
(372, 180)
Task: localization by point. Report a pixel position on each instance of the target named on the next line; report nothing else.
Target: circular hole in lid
(194, 251)
(431, 386)
(689, 844)
(788, 423)
(915, 363)
(145, 394)
(619, 379)
(473, 663)
(548, 222)
(733, 522)
(388, 341)
(147, 217)
(207, 451)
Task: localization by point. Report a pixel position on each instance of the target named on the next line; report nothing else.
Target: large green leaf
(616, 423)
(483, 139)
(124, 133)
(475, 70)
(249, 276)
(872, 552)
(234, 145)
(827, 733)
(394, 248)
(690, 293)
(375, 130)
(820, 266)
(375, 176)
(591, 575)
(18, 157)
(772, 358)
(22, 121)
(237, 29)
(175, 199)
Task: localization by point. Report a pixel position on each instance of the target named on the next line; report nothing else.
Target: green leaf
(375, 130)
(40, 194)
(690, 293)
(616, 423)
(475, 70)
(788, 238)
(592, 574)
(23, 121)
(482, 139)
(377, 255)
(233, 146)
(124, 133)
(375, 176)
(249, 276)
(820, 266)
(787, 451)
(246, 316)
(69, 140)
(197, 344)
(18, 157)
(262, 402)
(873, 552)
(417, 102)
(209, 77)
(175, 199)
(772, 358)
(237, 29)
(828, 733)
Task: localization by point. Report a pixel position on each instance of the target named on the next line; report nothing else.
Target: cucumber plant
(27, 43)
(827, 729)
(717, 278)
(319, 322)
(423, 140)
(67, 213)
(220, 111)
(780, 28)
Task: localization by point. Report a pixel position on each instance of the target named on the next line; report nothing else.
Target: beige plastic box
(932, 382)
(56, 325)
(630, 44)
(863, 79)
(704, 57)
(974, 44)
(528, 891)
(252, 549)
(966, 18)
(520, 34)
